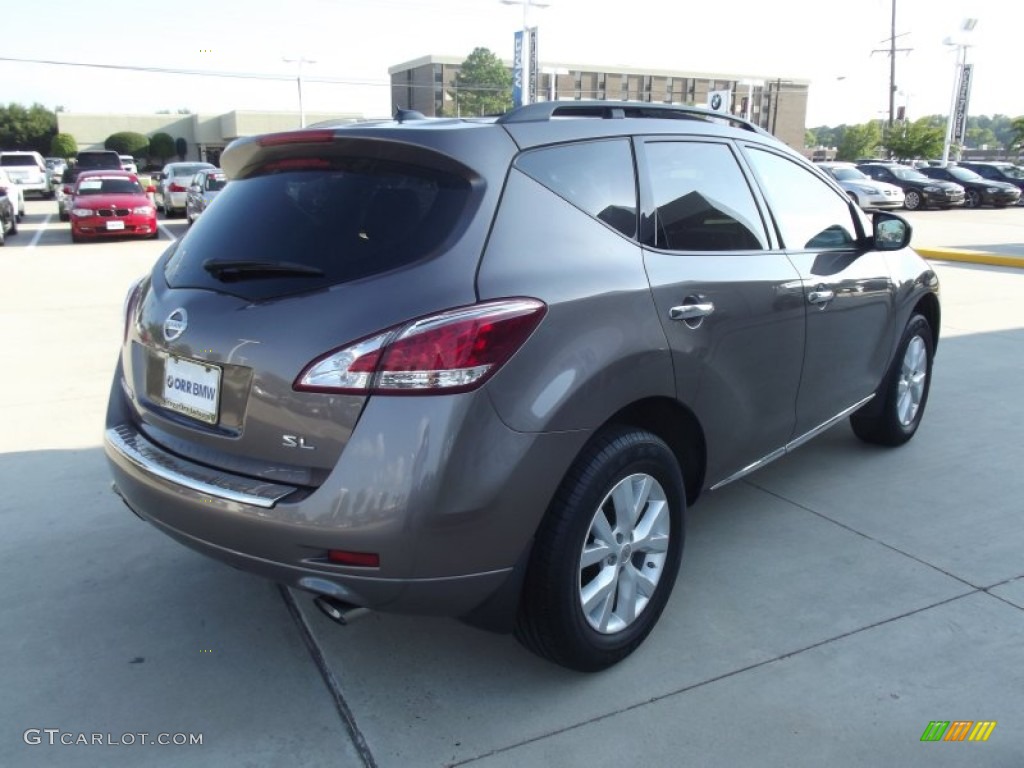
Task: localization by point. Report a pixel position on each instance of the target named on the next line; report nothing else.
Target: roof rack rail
(617, 110)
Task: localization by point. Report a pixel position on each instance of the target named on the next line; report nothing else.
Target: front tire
(912, 200)
(972, 199)
(607, 553)
(893, 417)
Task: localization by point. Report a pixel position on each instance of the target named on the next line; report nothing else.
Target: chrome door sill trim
(792, 445)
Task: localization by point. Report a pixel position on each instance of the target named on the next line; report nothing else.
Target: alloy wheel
(910, 387)
(624, 554)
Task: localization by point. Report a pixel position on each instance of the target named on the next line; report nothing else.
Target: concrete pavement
(828, 607)
(978, 236)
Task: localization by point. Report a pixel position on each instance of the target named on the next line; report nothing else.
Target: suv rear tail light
(131, 304)
(454, 351)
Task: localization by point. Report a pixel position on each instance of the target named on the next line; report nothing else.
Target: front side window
(701, 198)
(809, 214)
(596, 176)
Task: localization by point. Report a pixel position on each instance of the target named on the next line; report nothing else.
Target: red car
(111, 204)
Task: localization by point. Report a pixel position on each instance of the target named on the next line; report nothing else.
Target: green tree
(63, 145)
(161, 146)
(918, 139)
(810, 139)
(482, 85)
(27, 128)
(128, 143)
(979, 137)
(859, 141)
(1017, 135)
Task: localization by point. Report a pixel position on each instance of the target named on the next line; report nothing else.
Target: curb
(972, 257)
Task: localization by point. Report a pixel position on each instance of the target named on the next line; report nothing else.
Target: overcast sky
(827, 42)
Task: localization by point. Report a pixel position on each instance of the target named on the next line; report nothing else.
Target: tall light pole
(959, 40)
(526, 55)
(300, 61)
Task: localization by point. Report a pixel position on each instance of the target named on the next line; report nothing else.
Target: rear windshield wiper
(240, 269)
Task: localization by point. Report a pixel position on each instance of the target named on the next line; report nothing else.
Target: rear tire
(607, 553)
(893, 417)
(14, 225)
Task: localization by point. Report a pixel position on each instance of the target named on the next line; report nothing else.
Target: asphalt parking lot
(829, 607)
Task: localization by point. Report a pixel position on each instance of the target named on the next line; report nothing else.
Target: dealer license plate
(192, 388)
(115, 225)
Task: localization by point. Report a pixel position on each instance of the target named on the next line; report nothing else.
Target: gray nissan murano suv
(480, 367)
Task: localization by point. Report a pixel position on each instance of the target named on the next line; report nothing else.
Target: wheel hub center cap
(625, 553)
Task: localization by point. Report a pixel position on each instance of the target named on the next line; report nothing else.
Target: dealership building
(205, 136)
(777, 104)
(428, 85)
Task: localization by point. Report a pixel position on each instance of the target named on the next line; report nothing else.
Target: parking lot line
(39, 232)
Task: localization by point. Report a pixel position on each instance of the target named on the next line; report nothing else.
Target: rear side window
(300, 230)
(701, 198)
(597, 177)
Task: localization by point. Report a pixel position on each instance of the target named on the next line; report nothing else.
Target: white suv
(28, 171)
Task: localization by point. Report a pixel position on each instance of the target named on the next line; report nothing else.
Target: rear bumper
(97, 226)
(449, 511)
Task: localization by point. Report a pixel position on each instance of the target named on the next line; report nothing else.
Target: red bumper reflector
(361, 559)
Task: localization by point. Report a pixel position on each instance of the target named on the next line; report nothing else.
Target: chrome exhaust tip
(338, 610)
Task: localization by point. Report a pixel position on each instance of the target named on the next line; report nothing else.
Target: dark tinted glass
(595, 176)
(216, 183)
(809, 213)
(702, 200)
(18, 160)
(358, 219)
(98, 160)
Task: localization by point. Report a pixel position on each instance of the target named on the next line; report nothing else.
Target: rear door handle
(691, 311)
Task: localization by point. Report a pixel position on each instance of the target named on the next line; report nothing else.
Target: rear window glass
(108, 187)
(216, 183)
(98, 160)
(187, 170)
(295, 231)
(18, 160)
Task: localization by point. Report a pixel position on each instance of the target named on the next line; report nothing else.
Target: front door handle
(821, 296)
(691, 311)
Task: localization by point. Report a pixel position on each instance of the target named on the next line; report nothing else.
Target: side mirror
(891, 232)
(150, 188)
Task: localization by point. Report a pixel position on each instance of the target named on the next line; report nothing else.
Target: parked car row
(880, 184)
(103, 198)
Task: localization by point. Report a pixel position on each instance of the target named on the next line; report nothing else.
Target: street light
(527, 4)
(959, 67)
(300, 61)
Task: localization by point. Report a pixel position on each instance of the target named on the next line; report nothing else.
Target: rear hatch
(318, 241)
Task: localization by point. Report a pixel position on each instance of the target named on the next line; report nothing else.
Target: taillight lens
(454, 351)
(176, 188)
(131, 304)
